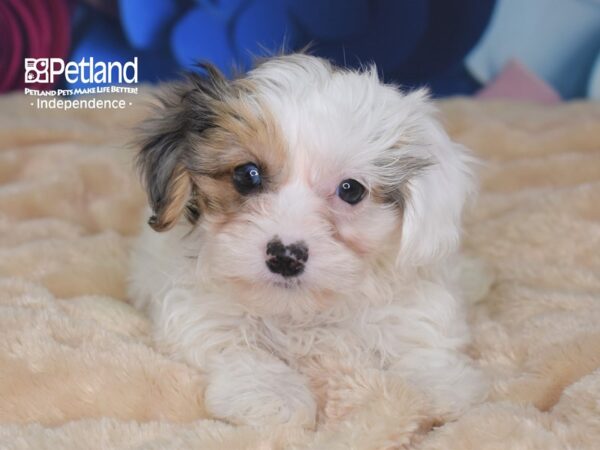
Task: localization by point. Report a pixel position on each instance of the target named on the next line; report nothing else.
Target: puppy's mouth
(287, 283)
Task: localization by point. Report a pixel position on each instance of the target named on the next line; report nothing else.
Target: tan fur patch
(178, 193)
(216, 194)
(243, 131)
(242, 135)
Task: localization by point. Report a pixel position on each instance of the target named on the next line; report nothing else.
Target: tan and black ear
(170, 140)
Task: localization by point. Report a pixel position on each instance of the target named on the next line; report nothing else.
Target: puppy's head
(303, 183)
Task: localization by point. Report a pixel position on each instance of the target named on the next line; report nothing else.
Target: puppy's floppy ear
(436, 195)
(170, 138)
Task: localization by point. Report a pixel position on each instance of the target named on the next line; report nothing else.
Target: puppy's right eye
(247, 178)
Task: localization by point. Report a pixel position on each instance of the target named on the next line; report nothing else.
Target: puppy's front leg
(248, 386)
(245, 384)
(449, 378)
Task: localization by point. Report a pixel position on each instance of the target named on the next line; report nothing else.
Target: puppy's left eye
(351, 191)
(247, 178)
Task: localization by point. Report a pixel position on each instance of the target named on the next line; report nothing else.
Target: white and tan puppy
(303, 213)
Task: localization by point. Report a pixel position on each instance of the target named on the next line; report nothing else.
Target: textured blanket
(78, 368)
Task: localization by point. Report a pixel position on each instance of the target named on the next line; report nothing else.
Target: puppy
(303, 213)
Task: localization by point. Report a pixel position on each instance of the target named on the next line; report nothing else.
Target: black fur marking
(192, 212)
(167, 148)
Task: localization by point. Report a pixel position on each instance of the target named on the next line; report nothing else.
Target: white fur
(377, 285)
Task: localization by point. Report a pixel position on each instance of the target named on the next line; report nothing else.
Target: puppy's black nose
(286, 260)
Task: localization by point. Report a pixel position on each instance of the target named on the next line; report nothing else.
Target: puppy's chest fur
(297, 345)
(376, 336)
(423, 314)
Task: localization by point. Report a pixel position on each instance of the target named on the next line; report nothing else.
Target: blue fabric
(452, 30)
(144, 25)
(261, 27)
(412, 42)
(395, 30)
(419, 43)
(336, 19)
(200, 35)
(104, 40)
(225, 9)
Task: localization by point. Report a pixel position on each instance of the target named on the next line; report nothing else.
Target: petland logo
(47, 70)
(99, 77)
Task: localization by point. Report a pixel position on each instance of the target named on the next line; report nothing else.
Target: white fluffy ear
(435, 200)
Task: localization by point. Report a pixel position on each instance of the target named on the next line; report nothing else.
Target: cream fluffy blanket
(77, 364)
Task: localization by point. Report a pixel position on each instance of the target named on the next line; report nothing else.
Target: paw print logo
(36, 70)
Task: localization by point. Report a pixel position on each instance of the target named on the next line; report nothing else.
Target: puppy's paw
(260, 398)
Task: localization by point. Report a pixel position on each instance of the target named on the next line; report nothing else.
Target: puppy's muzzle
(286, 260)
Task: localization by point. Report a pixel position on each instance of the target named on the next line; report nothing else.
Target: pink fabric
(519, 83)
(31, 29)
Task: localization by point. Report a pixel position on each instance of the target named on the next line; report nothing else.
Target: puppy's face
(303, 184)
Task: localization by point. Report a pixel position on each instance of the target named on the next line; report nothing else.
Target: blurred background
(538, 50)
